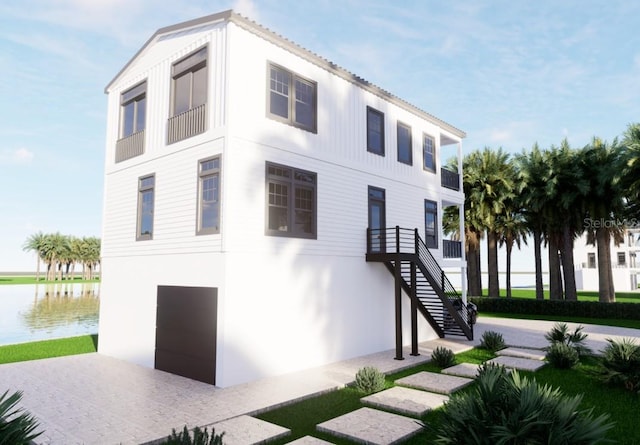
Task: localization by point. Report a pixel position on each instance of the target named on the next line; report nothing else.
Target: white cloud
(247, 8)
(16, 156)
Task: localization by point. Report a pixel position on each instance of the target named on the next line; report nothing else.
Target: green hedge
(588, 309)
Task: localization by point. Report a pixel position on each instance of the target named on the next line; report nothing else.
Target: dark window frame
(292, 90)
(591, 260)
(431, 208)
(187, 66)
(143, 189)
(134, 95)
(622, 256)
(375, 150)
(203, 175)
(293, 184)
(432, 154)
(408, 161)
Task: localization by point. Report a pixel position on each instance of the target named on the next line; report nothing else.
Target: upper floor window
(291, 202)
(431, 224)
(146, 187)
(209, 196)
(190, 82)
(133, 103)
(292, 98)
(405, 154)
(429, 152)
(375, 131)
(591, 260)
(622, 259)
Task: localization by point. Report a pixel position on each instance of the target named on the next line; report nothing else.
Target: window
(622, 259)
(208, 196)
(405, 154)
(146, 187)
(591, 260)
(431, 224)
(133, 103)
(291, 202)
(375, 131)
(429, 152)
(190, 82)
(292, 99)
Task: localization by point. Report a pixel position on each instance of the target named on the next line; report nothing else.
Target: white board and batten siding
(284, 304)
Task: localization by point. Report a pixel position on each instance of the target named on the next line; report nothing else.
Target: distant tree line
(554, 195)
(61, 253)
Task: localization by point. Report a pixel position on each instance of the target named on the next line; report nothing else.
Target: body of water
(31, 312)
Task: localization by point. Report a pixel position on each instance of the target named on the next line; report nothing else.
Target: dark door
(377, 219)
(186, 326)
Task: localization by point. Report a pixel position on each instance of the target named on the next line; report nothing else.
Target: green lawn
(583, 295)
(48, 348)
(584, 320)
(32, 280)
(302, 417)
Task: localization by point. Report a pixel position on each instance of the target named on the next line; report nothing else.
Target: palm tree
(630, 170)
(35, 244)
(90, 256)
(54, 246)
(533, 178)
(491, 182)
(512, 228)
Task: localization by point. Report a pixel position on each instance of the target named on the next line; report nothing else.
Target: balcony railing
(449, 179)
(130, 146)
(451, 249)
(187, 124)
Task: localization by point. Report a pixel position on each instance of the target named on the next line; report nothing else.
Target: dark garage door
(186, 319)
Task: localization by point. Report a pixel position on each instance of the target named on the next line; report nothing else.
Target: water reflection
(44, 311)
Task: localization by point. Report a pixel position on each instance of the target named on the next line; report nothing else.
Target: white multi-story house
(242, 173)
(623, 259)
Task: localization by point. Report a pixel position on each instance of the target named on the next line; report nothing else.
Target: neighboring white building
(242, 172)
(623, 259)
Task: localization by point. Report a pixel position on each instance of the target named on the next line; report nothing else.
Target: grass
(48, 348)
(583, 295)
(302, 417)
(32, 280)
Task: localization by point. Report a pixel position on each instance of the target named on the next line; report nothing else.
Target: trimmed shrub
(443, 357)
(369, 380)
(17, 426)
(587, 309)
(575, 340)
(562, 356)
(200, 437)
(620, 364)
(505, 408)
(492, 341)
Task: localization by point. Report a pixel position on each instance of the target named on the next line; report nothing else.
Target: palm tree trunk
(37, 266)
(492, 263)
(537, 242)
(568, 266)
(555, 277)
(474, 277)
(603, 239)
(509, 249)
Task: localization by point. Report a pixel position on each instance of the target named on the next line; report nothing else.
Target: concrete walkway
(94, 399)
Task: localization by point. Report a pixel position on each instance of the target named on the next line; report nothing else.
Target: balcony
(451, 249)
(130, 146)
(187, 124)
(449, 179)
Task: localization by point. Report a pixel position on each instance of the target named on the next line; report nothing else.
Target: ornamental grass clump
(443, 357)
(575, 340)
(505, 408)
(200, 437)
(562, 356)
(17, 426)
(492, 341)
(620, 364)
(369, 380)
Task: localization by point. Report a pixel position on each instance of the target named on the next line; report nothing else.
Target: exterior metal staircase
(417, 272)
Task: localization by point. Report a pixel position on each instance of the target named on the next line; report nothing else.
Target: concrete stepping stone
(247, 430)
(533, 354)
(405, 400)
(372, 426)
(463, 370)
(521, 364)
(309, 440)
(434, 382)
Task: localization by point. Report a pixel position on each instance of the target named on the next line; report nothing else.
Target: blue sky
(509, 73)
